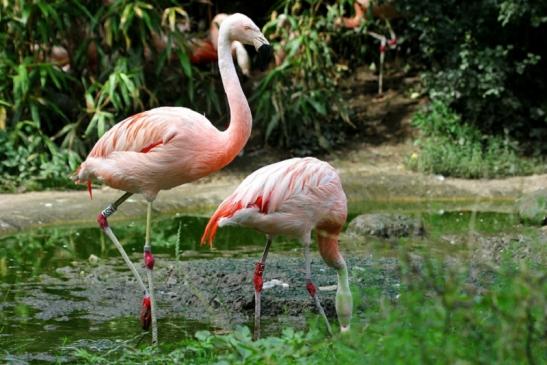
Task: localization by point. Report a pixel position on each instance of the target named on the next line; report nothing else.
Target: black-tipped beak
(265, 53)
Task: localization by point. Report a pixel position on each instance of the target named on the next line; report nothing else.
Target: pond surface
(40, 260)
(26, 258)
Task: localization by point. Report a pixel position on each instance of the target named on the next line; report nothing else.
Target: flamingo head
(241, 28)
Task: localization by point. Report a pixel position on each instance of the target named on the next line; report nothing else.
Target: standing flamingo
(205, 50)
(169, 146)
(382, 11)
(291, 198)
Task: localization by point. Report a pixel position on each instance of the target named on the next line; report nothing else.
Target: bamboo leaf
(100, 125)
(35, 113)
(274, 122)
(317, 105)
(185, 63)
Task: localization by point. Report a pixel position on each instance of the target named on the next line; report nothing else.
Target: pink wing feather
(141, 133)
(269, 187)
(137, 133)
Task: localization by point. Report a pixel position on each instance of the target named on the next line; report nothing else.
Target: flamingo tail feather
(225, 210)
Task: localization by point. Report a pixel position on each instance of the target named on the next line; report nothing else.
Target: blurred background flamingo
(291, 198)
(381, 11)
(238, 49)
(205, 50)
(169, 146)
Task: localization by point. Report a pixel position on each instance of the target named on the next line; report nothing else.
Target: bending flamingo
(169, 146)
(291, 198)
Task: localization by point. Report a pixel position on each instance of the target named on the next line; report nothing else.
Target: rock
(328, 288)
(274, 282)
(385, 225)
(532, 207)
(93, 259)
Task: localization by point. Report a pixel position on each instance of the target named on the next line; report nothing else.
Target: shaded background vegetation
(483, 62)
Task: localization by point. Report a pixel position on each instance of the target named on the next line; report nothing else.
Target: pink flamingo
(169, 146)
(291, 198)
(382, 11)
(238, 49)
(204, 51)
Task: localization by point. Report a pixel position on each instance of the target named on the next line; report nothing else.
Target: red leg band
(146, 313)
(101, 219)
(259, 270)
(148, 258)
(311, 288)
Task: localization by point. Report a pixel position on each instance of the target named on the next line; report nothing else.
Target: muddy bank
(217, 291)
(97, 302)
(220, 291)
(370, 176)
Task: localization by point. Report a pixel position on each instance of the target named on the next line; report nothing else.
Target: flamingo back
(138, 133)
(142, 154)
(203, 51)
(306, 183)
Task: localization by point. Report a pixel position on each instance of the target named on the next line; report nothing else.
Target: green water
(26, 256)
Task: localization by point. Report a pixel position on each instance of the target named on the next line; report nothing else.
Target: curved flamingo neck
(241, 120)
(355, 21)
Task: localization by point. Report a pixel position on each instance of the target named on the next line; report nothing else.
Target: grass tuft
(450, 148)
(442, 314)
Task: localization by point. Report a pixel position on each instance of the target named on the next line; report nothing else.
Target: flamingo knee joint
(311, 288)
(259, 271)
(148, 258)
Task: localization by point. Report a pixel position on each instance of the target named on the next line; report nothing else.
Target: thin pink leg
(102, 219)
(383, 42)
(149, 264)
(312, 289)
(258, 281)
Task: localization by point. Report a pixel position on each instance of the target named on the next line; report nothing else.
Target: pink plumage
(290, 197)
(160, 149)
(165, 147)
(169, 146)
(203, 51)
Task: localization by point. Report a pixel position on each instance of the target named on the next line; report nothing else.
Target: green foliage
(30, 160)
(299, 104)
(452, 148)
(75, 68)
(443, 314)
(353, 47)
(486, 60)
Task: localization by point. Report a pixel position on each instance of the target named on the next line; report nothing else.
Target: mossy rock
(532, 207)
(385, 225)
